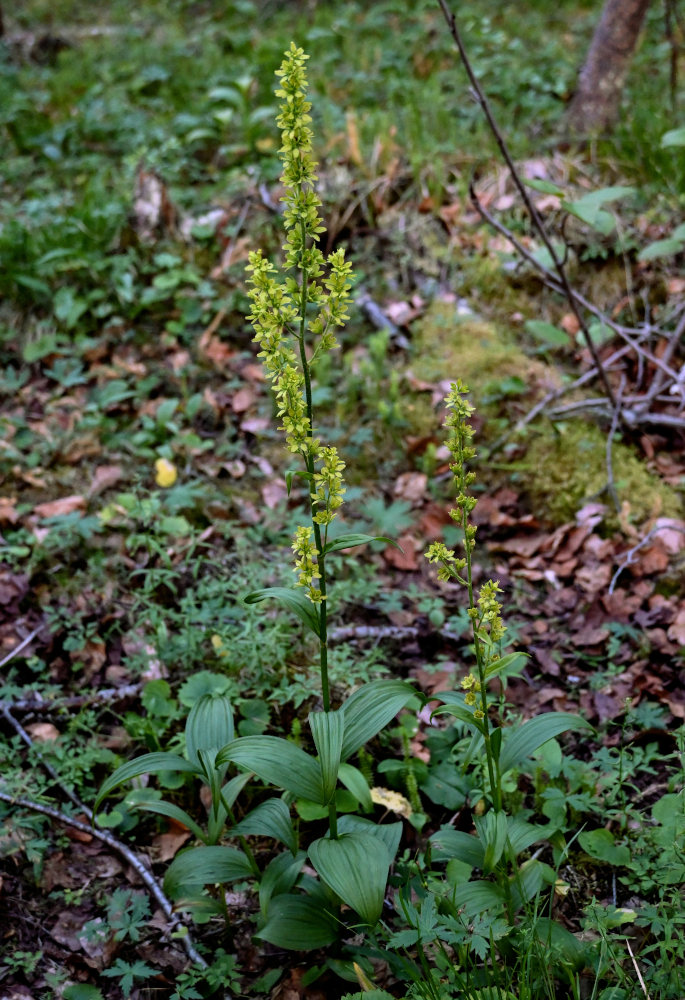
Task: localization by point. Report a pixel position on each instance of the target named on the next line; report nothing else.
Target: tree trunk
(595, 104)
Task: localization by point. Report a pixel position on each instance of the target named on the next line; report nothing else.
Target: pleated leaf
(529, 737)
(179, 815)
(278, 762)
(205, 866)
(389, 834)
(353, 779)
(355, 867)
(294, 600)
(350, 541)
(448, 843)
(298, 923)
(269, 819)
(476, 897)
(492, 831)
(370, 709)
(279, 877)
(328, 729)
(233, 788)
(149, 763)
(209, 726)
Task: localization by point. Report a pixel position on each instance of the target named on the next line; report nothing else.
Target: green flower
(306, 563)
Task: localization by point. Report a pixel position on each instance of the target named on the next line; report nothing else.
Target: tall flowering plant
(295, 315)
(295, 320)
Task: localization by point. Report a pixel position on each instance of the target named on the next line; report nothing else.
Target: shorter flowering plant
(500, 838)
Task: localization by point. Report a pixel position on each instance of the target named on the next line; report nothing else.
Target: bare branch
(146, 876)
(527, 200)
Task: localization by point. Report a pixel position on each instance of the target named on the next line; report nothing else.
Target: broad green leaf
(492, 831)
(589, 208)
(201, 683)
(298, 923)
(603, 196)
(525, 739)
(279, 876)
(675, 137)
(209, 726)
(349, 541)
(368, 995)
(546, 333)
(231, 790)
(600, 333)
(564, 943)
(294, 600)
(461, 712)
(527, 882)
(475, 897)
(679, 232)
(278, 762)
(355, 867)
(545, 187)
(205, 866)
(179, 815)
(149, 763)
(270, 819)
(353, 779)
(370, 709)
(82, 991)
(511, 664)
(290, 475)
(448, 843)
(662, 248)
(523, 835)
(327, 730)
(389, 834)
(309, 811)
(600, 844)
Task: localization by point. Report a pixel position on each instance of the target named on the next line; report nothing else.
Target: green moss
(450, 346)
(567, 468)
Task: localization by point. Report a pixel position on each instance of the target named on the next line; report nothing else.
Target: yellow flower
(165, 473)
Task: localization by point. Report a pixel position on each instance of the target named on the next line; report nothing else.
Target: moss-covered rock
(567, 468)
(450, 345)
(566, 463)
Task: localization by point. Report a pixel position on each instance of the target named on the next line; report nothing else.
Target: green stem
(321, 559)
(494, 784)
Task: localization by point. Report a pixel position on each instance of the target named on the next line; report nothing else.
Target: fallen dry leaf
(243, 399)
(273, 493)
(104, 477)
(61, 507)
(676, 632)
(166, 846)
(13, 587)
(8, 513)
(42, 732)
(90, 658)
(411, 486)
(407, 559)
(671, 534)
(255, 425)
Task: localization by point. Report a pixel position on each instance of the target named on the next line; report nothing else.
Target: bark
(595, 104)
